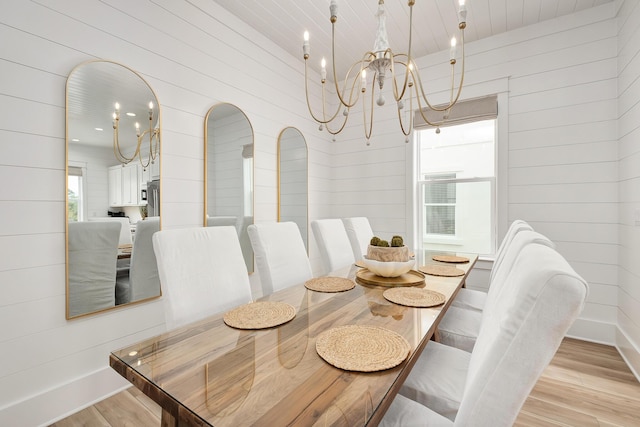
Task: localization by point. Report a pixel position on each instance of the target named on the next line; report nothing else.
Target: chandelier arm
(406, 79)
(427, 121)
(351, 102)
(151, 133)
(406, 132)
(367, 133)
(453, 102)
(339, 129)
(116, 146)
(306, 91)
(353, 83)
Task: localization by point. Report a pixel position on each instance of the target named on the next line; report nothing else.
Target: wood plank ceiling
(435, 22)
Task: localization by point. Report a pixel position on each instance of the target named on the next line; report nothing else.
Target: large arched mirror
(112, 186)
(228, 160)
(292, 180)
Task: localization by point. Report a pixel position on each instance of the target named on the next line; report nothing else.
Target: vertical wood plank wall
(566, 80)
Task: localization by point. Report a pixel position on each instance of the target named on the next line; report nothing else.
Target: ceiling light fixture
(154, 140)
(378, 64)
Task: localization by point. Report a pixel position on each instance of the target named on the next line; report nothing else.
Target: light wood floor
(585, 385)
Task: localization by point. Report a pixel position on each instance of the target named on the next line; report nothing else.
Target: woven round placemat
(441, 270)
(330, 284)
(451, 258)
(414, 297)
(362, 348)
(260, 315)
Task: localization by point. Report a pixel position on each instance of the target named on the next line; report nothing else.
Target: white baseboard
(593, 331)
(629, 352)
(55, 404)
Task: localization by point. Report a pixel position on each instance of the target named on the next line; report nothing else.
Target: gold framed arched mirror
(112, 186)
(229, 168)
(293, 187)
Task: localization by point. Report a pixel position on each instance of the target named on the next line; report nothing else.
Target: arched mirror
(112, 186)
(228, 160)
(292, 180)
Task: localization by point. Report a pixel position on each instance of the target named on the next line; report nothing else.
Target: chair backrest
(125, 230)
(143, 273)
(333, 242)
(202, 272)
(515, 227)
(245, 243)
(519, 241)
(518, 339)
(281, 257)
(360, 233)
(93, 251)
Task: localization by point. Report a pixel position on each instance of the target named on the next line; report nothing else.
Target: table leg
(168, 420)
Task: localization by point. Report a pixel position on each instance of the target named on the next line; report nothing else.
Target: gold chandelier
(152, 133)
(381, 62)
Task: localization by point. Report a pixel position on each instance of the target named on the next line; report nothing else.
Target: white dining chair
(474, 299)
(333, 242)
(459, 327)
(517, 341)
(281, 257)
(202, 272)
(144, 276)
(360, 233)
(93, 251)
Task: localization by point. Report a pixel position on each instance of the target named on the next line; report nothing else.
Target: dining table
(207, 373)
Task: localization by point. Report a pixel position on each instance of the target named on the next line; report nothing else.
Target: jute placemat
(451, 258)
(441, 270)
(362, 348)
(260, 315)
(414, 297)
(330, 284)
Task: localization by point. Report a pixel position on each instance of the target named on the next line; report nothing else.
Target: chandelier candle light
(154, 140)
(379, 63)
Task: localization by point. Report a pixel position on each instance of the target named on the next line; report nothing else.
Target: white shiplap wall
(628, 313)
(194, 55)
(558, 80)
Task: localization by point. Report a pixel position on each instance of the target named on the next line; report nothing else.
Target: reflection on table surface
(207, 372)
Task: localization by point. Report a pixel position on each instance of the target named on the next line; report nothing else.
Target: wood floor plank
(123, 409)
(585, 385)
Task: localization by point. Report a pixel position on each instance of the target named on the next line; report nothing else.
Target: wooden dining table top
(207, 373)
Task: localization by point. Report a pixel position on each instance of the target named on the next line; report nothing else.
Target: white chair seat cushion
(405, 412)
(438, 389)
(470, 299)
(460, 328)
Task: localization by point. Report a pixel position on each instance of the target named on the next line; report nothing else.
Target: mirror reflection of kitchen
(229, 173)
(113, 177)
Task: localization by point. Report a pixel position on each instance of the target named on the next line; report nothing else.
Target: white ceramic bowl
(388, 268)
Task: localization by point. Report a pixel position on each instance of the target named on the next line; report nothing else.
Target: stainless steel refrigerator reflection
(153, 198)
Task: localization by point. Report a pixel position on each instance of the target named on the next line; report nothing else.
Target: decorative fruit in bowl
(379, 250)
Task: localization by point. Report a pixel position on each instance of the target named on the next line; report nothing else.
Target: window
(456, 184)
(440, 205)
(75, 190)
